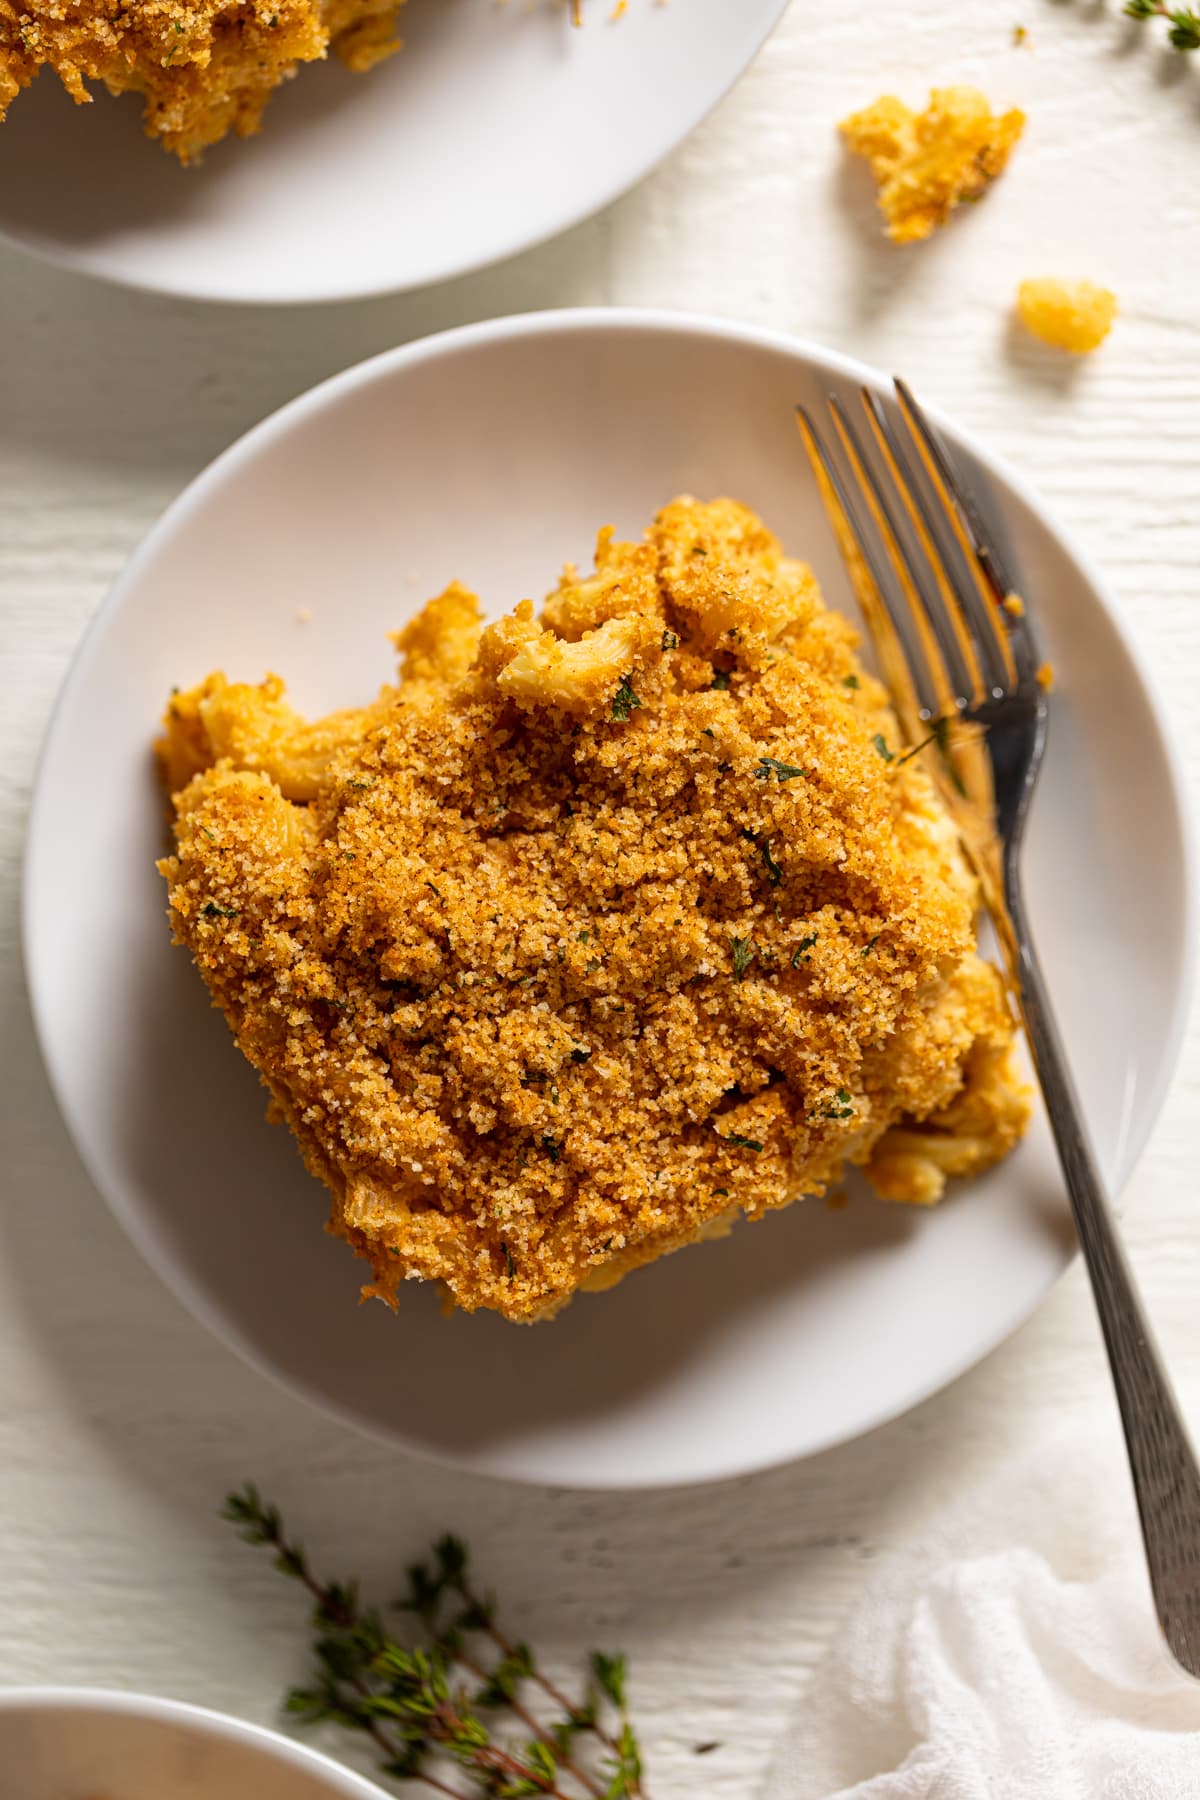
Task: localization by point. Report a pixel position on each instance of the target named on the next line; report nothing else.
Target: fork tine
(909, 643)
(962, 643)
(954, 680)
(997, 608)
(868, 574)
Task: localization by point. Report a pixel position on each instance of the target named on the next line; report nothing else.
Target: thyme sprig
(427, 1707)
(1183, 21)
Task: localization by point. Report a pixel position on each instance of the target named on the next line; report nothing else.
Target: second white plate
(492, 454)
(495, 126)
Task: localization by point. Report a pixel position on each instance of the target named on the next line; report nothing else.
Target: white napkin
(1011, 1655)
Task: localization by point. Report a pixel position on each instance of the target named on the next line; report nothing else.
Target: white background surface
(121, 1423)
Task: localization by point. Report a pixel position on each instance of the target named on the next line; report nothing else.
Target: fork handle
(1166, 1478)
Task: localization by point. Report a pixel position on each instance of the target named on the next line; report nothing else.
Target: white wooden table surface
(121, 1422)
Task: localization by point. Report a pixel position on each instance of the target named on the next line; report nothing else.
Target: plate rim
(564, 219)
(278, 425)
(339, 1781)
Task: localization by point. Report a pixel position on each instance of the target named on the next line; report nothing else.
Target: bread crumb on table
(1070, 315)
(927, 164)
(602, 928)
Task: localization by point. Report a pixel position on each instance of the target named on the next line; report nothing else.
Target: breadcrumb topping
(926, 164)
(204, 67)
(1070, 315)
(599, 929)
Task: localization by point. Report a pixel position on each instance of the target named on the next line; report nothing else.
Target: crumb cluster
(927, 164)
(598, 930)
(203, 67)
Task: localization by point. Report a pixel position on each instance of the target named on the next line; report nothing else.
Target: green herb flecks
(782, 771)
(940, 735)
(1183, 21)
(450, 1701)
(210, 910)
(551, 1148)
(851, 681)
(801, 953)
(625, 701)
(721, 679)
(741, 1143)
(880, 744)
(842, 1109)
(743, 955)
(774, 872)
(670, 640)
(510, 1267)
(580, 1056)
(870, 944)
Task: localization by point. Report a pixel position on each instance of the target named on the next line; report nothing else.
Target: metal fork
(957, 647)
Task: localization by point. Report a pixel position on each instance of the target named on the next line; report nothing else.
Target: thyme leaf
(625, 701)
(461, 1692)
(743, 955)
(782, 771)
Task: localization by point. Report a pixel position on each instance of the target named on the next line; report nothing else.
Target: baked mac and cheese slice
(602, 928)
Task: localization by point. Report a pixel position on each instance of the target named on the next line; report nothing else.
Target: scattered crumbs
(1075, 316)
(1045, 676)
(1021, 37)
(927, 164)
(303, 615)
(1014, 605)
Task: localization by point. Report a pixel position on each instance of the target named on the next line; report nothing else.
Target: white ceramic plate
(496, 126)
(492, 454)
(67, 1743)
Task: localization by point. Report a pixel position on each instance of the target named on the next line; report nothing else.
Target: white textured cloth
(1011, 1655)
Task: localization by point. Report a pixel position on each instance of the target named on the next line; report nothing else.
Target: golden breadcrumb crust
(599, 929)
(1070, 315)
(204, 67)
(926, 164)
